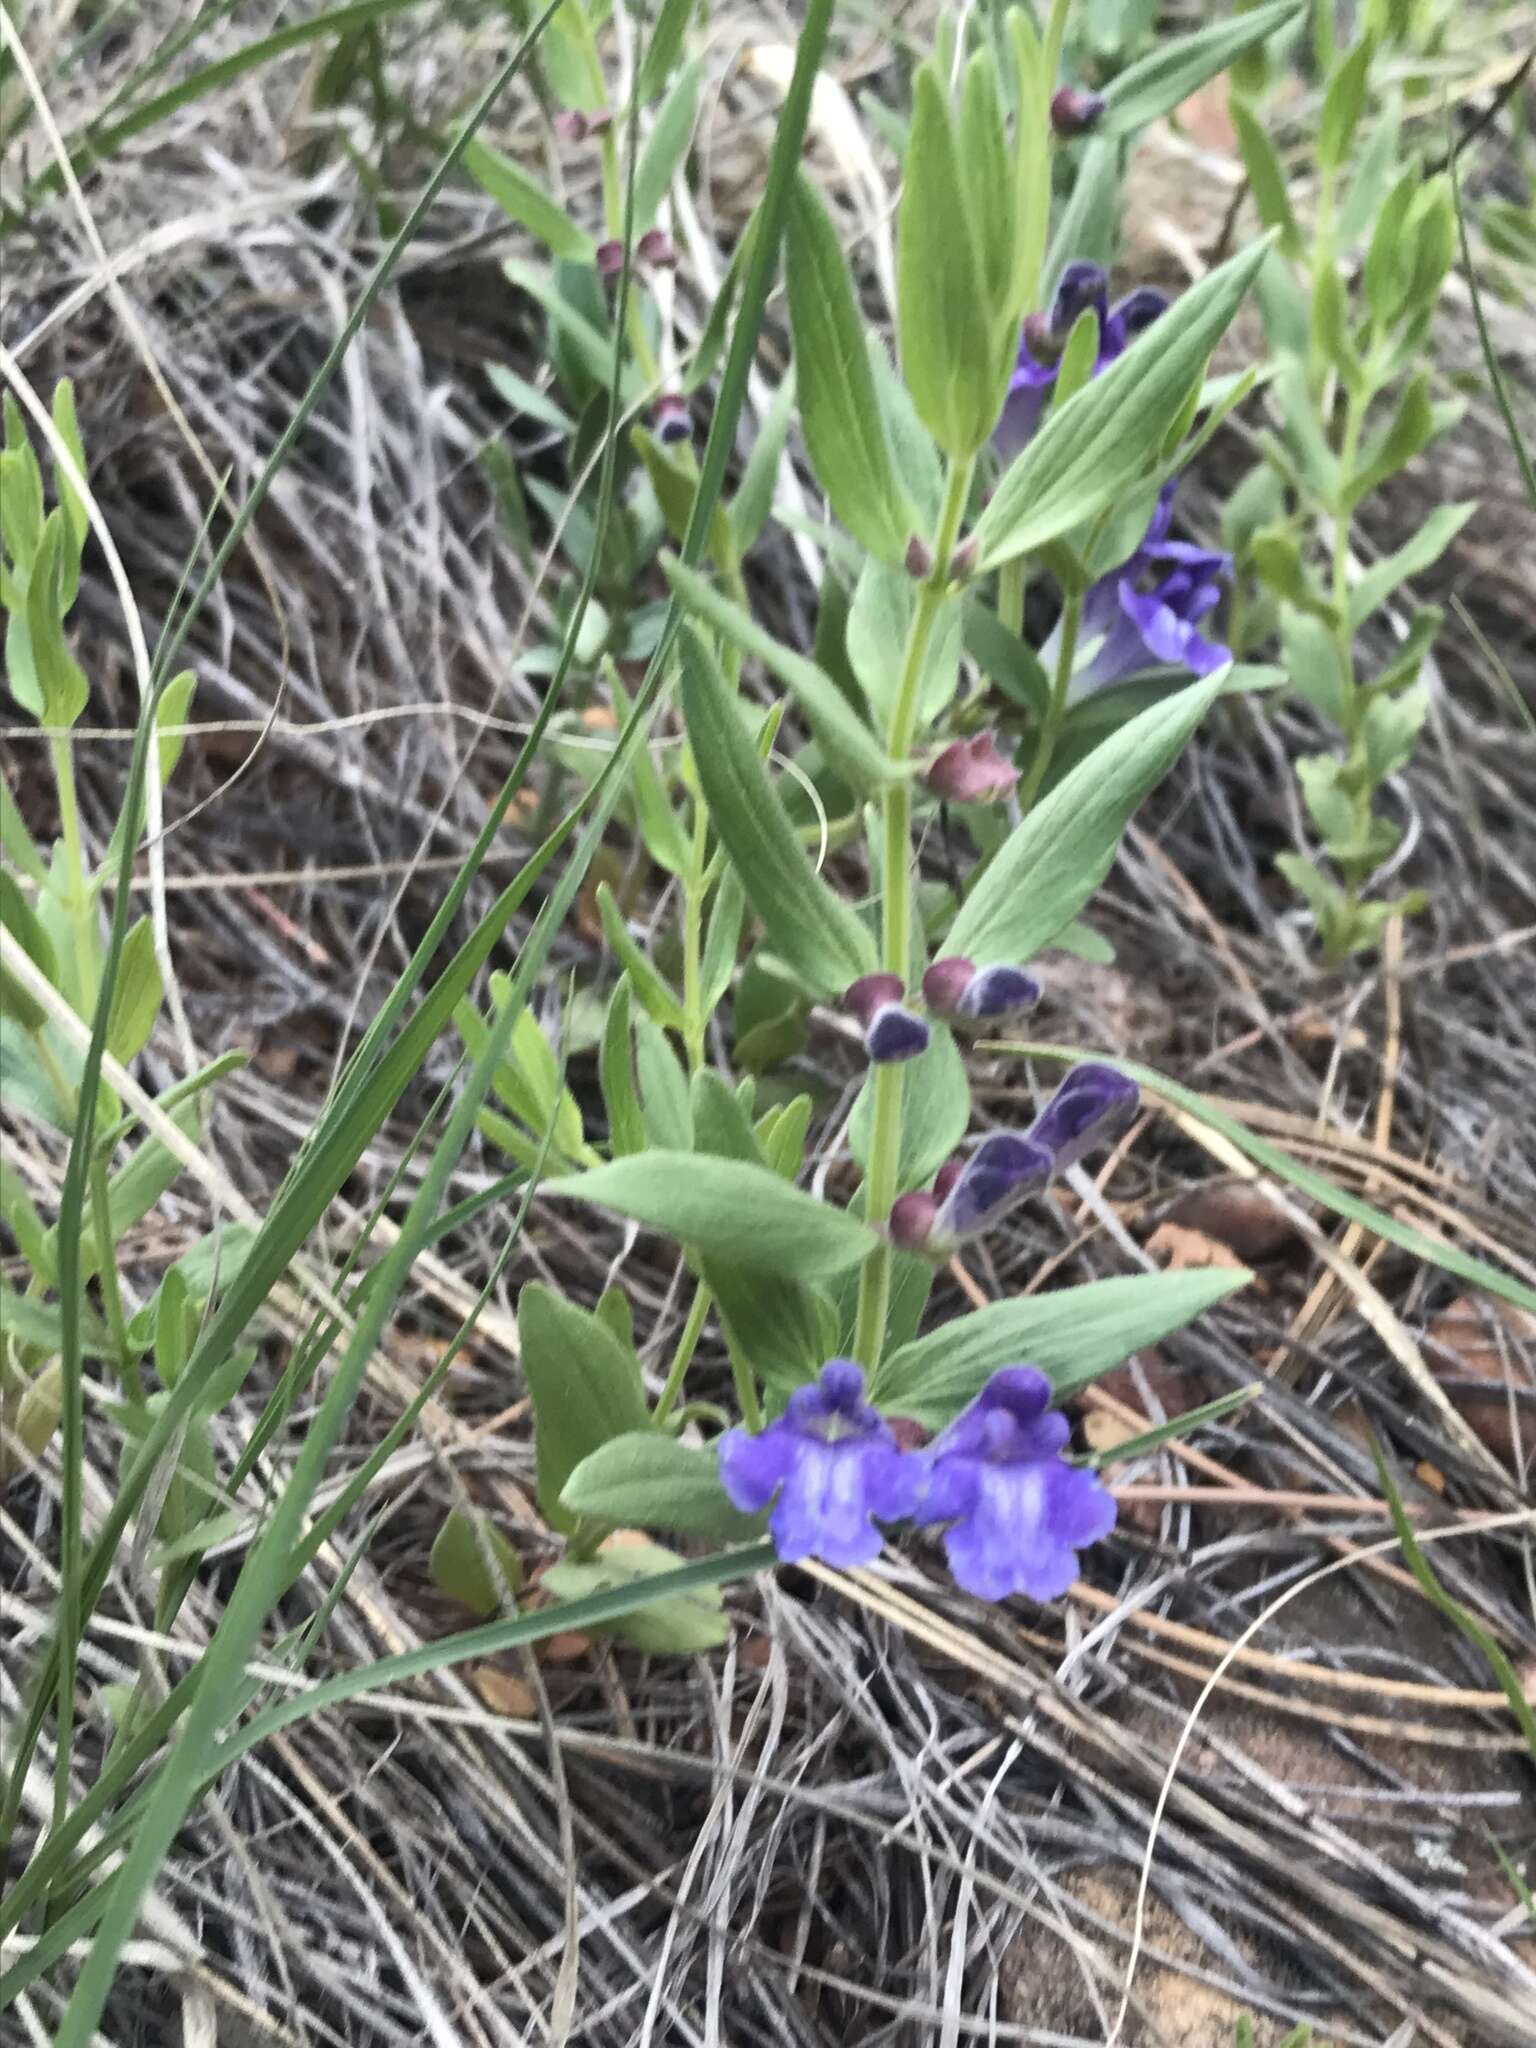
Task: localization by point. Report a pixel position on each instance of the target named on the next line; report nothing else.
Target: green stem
(78, 902)
(896, 922)
(695, 894)
(613, 216)
(1056, 710)
(682, 1358)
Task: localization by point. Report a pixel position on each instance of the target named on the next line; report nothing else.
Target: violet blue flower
(972, 771)
(1092, 1106)
(955, 987)
(1002, 1170)
(1044, 336)
(1018, 1513)
(1147, 613)
(670, 418)
(895, 1034)
(835, 1466)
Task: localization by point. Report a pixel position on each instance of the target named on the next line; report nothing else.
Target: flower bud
(872, 992)
(1041, 339)
(572, 126)
(895, 1034)
(912, 1219)
(962, 563)
(1094, 1105)
(919, 559)
(944, 1180)
(670, 418)
(1002, 1170)
(946, 982)
(972, 771)
(657, 248)
(1076, 112)
(998, 992)
(609, 258)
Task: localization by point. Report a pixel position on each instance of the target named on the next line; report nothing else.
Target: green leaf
(665, 45)
(950, 355)
(667, 144)
(675, 480)
(813, 930)
(1266, 179)
(982, 150)
(21, 921)
(753, 501)
(1313, 661)
(16, 840)
(1089, 227)
(473, 1563)
(727, 1209)
(26, 1320)
(878, 627)
(1409, 433)
(1108, 436)
(659, 1001)
(1005, 659)
(663, 1089)
(722, 941)
(936, 1114)
(524, 199)
(136, 999)
(720, 1122)
(1422, 552)
(1073, 1336)
(1343, 104)
(660, 827)
(79, 520)
(1031, 158)
(1389, 732)
(1179, 65)
(672, 1624)
(840, 414)
(584, 1384)
(847, 742)
(62, 691)
(626, 1121)
(776, 1328)
(649, 1481)
(1052, 863)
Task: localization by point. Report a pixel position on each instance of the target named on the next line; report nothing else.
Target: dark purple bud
(895, 1034)
(912, 1219)
(1002, 1170)
(998, 992)
(919, 559)
(1076, 112)
(572, 126)
(609, 258)
(657, 248)
(1042, 340)
(946, 982)
(1093, 1106)
(972, 772)
(944, 1180)
(872, 992)
(1082, 285)
(670, 418)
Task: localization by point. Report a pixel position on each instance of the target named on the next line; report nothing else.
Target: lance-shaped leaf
(1109, 435)
(813, 931)
(839, 411)
(525, 200)
(1054, 861)
(1179, 65)
(649, 1481)
(585, 1387)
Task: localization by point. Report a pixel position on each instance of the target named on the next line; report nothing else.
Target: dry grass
(882, 1814)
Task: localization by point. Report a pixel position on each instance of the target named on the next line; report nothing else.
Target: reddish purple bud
(912, 1219)
(572, 126)
(919, 559)
(962, 563)
(947, 1175)
(909, 1435)
(999, 992)
(872, 992)
(1045, 345)
(657, 248)
(895, 1034)
(946, 982)
(972, 772)
(670, 417)
(1076, 112)
(597, 122)
(609, 258)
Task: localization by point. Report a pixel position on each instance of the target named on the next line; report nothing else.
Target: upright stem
(896, 921)
(79, 902)
(682, 1358)
(1056, 710)
(111, 1290)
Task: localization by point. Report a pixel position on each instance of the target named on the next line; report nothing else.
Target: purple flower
(1018, 1513)
(1147, 613)
(972, 771)
(657, 248)
(835, 1466)
(895, 1034)
(670, 418)
(955, 987)
(1002, 1170)
(609, 258)
(1044, 336)
(1093, 1106)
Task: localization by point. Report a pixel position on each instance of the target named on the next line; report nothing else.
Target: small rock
(1480, 1337)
